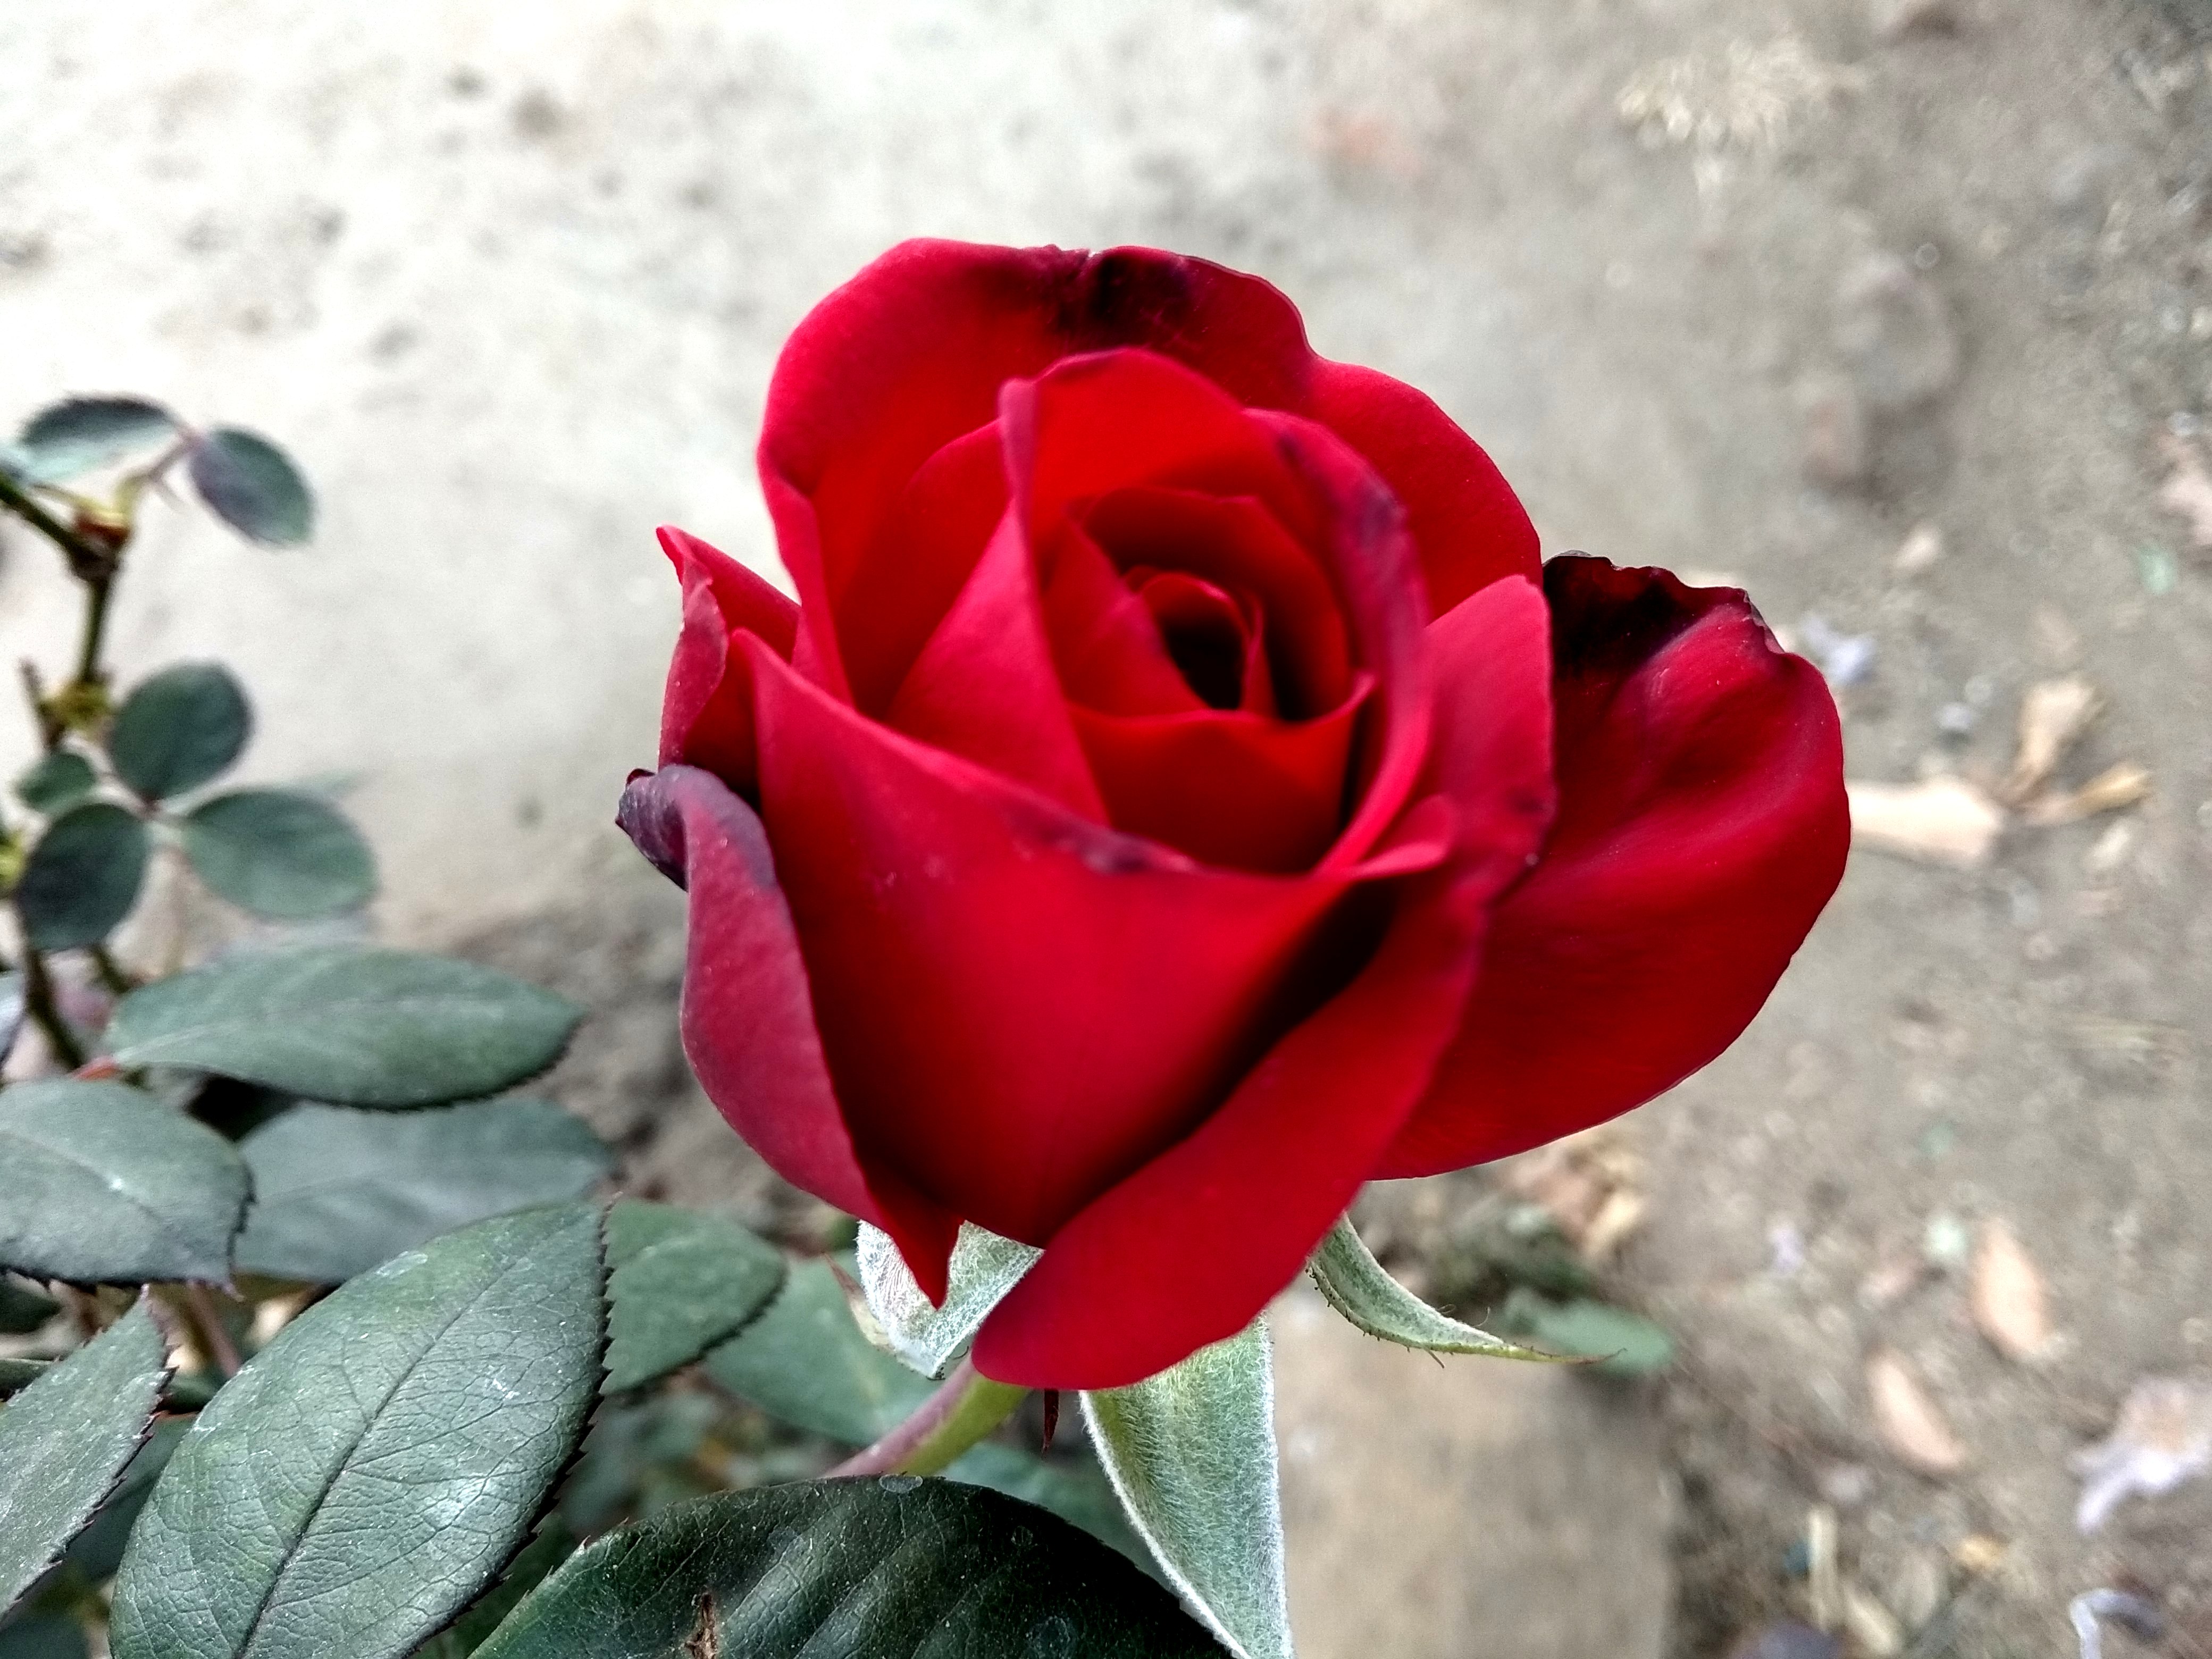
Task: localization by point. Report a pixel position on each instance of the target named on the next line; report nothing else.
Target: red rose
(1181, 796)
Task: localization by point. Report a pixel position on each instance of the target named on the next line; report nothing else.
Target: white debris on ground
(2163, 1437)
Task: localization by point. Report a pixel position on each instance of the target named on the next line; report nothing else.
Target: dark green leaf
(16, 1375)
(682, 1282)
(98, 1548)
(105, 1185)
(650, 1450)
(361, 1028)
(180, 728)
(1074, 1489)
(806, 1361)
(1623, 1344)
(24, 1307)
(41, 1635)
(252, 486)
(65, 1439)
(280, 853)
(553, 1545)
(890, 1568)
(83, 877)
(77, 434)
(1191, 1453)
(56, 782)
(372, 1468)
(336, 1191)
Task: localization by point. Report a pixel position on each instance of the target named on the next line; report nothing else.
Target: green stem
(966, 1407)
(45, 1013)
(111, 976)
(25, 506)
(96, 590)
(214, 1338)
(50, 731)
(92, 561)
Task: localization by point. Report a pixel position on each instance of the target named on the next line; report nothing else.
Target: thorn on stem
(1051, 1417)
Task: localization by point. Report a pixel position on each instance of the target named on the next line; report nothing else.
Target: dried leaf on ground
(2052, 714)
(1744, 97)
(2011, 1307)
(1590, 1184)
(1874, 1629)
(2187, 491)
(1939, 821)
(1824, 1585)
(2163, 1437)
(1978, 1553)
(1911, 1423)
(2116, 787)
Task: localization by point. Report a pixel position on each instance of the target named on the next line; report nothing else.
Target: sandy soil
(1747, 288)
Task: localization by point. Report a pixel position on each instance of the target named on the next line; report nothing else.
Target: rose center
(1205, 633)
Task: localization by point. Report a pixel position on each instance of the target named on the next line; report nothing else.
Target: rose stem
(966, 1407)
(207, 1325)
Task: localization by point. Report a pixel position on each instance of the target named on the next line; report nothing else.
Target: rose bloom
(1181, 794)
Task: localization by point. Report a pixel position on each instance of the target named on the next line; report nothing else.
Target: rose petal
(984, 686)
(1212, 636)
(1378, 582)
(1017, 1005)
(706, 714)
(910, 354)
(1490, 750)
(1113, 420)
(1228, 787)
(920, 560)
(747, 1014)
(1104, 642)
(1702, 827)
(1235, 542)
(1189, 1249)
(1469, 526)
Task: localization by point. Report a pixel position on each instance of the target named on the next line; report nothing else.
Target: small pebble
(1922, 547)
(1947, 1241)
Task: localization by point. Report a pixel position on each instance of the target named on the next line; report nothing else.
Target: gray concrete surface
(1435, 1510)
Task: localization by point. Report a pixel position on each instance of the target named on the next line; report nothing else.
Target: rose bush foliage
(1181, 795)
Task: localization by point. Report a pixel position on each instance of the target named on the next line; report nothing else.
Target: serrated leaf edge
(165, 1374)
(783, 1277)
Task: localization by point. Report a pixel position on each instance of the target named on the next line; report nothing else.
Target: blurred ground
(1755, 289)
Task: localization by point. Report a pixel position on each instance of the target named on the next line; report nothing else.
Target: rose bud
(1181, 795)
